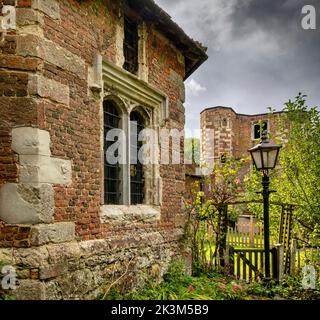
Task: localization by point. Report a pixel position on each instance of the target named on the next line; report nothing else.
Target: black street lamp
(265, 156)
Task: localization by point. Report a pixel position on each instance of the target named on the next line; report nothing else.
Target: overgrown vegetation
(207, 223)
(296, 181)
(177, 285)
(290, 289)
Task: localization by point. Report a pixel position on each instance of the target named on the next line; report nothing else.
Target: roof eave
(194, 53)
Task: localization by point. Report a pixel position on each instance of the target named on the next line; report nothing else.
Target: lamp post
(265, 156)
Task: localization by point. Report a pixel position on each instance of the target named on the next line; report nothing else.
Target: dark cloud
(259, 55)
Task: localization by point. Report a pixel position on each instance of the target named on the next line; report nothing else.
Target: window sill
(132, 213)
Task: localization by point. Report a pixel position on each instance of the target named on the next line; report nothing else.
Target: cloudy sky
(259, 55)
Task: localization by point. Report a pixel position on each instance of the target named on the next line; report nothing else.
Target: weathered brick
(19, 63)
(35, 46)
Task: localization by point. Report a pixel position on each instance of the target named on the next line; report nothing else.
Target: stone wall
(84, 270)
(54, 174)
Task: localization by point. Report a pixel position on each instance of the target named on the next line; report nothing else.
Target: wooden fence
(252, 239)
(303, 255)
(248, 264)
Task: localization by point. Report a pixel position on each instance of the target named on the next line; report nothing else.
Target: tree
(300, 163)
(192, 150)
(296, 178)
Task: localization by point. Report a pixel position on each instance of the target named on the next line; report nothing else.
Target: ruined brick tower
(225, 133)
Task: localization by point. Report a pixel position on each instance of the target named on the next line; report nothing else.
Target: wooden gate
(248, 264)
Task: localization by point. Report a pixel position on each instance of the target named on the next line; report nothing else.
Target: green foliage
(289, 289)
(208, 217)
(177, 285)
(296, 178)
(192, 150)
(252, 186)
(300, 164)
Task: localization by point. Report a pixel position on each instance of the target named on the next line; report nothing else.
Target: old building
(70, 72)
(225, 133)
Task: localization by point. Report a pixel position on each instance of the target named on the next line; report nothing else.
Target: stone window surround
(142, 72)
(131, 93)
(253, 123)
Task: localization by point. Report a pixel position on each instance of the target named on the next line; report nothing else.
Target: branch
(117, 280)
(302, 241)
(304, 225)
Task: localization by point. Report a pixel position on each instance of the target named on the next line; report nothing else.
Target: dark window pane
(111, 172)
(259, 129)
(256, 131)
(130, 45)
(136, 169)
(264, 126)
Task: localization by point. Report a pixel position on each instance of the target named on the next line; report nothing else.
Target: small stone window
(224, 122)
(259, 128)
(131, 45)
(223, 158)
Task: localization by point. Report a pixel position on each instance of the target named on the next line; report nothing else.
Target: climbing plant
(208, 214)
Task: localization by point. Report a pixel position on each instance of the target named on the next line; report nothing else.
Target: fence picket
(244, 269)
(256, 264)
(250, 269)
(237, 237)
(238, 267)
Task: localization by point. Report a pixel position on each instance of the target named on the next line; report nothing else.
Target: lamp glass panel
(269, 158)
(256, 155)
(273, 157)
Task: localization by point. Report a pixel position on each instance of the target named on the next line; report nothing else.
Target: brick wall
(83, 29)
(44, 84)
(231, 133)
(16, 107)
